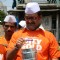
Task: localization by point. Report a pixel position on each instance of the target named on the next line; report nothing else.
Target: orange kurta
(58, 52)
(3, 47)
(43, 42)
(2, 52)
(4, 41)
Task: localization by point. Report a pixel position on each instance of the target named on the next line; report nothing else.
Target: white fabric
(32, 7)
(10, 18)
(41, 27)
(22, 23)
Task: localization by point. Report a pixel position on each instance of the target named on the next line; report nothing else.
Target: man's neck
(7, 37)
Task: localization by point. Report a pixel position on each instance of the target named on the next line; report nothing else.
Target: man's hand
(19, 43)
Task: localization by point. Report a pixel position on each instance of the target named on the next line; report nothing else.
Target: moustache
(9, 31)
(31, 23)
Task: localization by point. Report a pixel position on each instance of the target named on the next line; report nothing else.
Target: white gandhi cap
(22, 23)
(32, 7)
(10, 18)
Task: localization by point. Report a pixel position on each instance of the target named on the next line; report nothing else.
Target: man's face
(9, 28)
(32, 21)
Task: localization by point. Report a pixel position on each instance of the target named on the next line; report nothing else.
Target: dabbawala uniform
(3, 42)
(40, 44)
(2, 52)
(45, 43)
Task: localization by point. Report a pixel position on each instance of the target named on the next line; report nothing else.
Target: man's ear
(40, 17)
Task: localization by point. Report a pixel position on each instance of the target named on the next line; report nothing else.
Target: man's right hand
(19, 43)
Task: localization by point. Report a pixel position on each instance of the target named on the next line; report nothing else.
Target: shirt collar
(41, 27)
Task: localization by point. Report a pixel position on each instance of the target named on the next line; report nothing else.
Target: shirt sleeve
(53, 49)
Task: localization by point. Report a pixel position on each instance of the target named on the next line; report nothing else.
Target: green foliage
(2, 15)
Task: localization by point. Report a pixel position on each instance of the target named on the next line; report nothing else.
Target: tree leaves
(2, 15)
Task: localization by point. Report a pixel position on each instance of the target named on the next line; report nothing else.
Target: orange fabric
(3, 40)
(58, 52)
(3, 46)
(51, 38)
(2, 52)
(43, 41)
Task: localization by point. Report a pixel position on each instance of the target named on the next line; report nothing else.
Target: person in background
(9, 26)
(33, 42)
(22, 24)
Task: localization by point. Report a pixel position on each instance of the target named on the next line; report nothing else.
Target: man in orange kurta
(32, 42)
(9, 26)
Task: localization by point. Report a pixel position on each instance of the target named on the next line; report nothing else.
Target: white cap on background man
(32, 7)
(10, 18)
